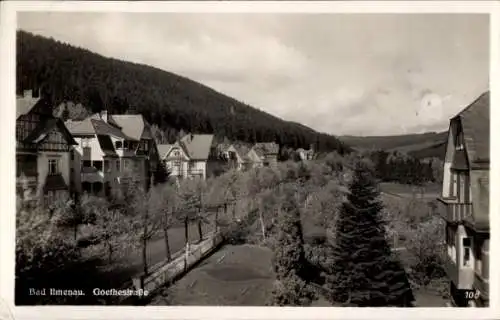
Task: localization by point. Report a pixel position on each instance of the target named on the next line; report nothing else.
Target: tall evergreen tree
(289, 257)
(363, 271)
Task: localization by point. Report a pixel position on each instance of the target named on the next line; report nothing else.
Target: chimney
(28, 93)
(104, 115)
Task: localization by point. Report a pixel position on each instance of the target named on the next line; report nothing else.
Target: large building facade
(111, 150)
(43, 146)
(464, 204)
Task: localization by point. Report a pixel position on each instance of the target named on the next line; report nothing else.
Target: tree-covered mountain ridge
(67, 73)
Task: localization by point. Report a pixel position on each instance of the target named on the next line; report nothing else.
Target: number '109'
(472, 294)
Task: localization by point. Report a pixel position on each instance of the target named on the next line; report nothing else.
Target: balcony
(31, 180)
(453, 211)
(195, 173)
(91, 174)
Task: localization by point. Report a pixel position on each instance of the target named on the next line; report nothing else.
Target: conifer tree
(289, 257)
(363, 271)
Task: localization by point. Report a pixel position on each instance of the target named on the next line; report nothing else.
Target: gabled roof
(197, 145)
(243, 151)
(163, 149)
(133, 125)
(222, 147)
(45, 127)
(93, 125)
(106, 145)
(25, 104)
(475, 122)
(266, 148)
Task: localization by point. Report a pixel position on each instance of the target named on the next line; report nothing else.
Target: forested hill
(424, 145)
(173, 102)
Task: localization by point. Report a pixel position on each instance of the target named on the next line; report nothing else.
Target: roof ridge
(471, 104)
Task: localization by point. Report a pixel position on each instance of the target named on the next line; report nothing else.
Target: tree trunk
(145, 251)
(261, 218)
(217, 220)
(110, 252)
(186, 230)
(167, 244)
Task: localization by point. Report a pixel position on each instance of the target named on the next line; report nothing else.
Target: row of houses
(102, 152)
(57, 159)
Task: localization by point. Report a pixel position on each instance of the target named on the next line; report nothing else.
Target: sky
(343, 74)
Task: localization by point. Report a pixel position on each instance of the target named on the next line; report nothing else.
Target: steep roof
(106, 145)
(265, 148)
(242, 151)
(163, 149)
(45, 127)
(93, 125)
(222, 147)
(475, 121)
(197, 145)
(25, 104)
(133, 125)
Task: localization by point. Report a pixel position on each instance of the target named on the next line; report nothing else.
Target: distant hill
(172, 102)
(425, 145)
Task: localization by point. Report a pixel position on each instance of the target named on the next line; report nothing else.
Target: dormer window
(459, 141)
(118, 145)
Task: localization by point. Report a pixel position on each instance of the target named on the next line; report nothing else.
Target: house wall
(180, 171)
(43, 166)
(465, 274)
(199, 165)
(480, 195)
(272, 160)
(450, 150)
(76, 168)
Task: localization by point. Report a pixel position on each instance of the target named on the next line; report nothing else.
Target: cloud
(338, 73)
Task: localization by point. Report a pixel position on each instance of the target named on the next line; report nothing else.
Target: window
(459, 141)
(478, 255)
(467, 254)
(86, 163)
(454, 184)
(53, 166)
(118, 145)
(50, 197)
(97, 164)
(176, 153)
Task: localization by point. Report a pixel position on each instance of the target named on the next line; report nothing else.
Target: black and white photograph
(268, 159)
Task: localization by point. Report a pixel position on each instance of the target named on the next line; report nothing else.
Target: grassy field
(233, 276)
